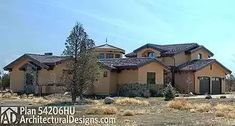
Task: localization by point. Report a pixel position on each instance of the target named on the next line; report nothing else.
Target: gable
(217, 71)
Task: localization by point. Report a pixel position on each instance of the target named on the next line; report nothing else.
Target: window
(109, 55)
(199, 56)
(210, 67)
(151, 54)
(117, 55)
(101, 56)
(105, 74)
(151, 78)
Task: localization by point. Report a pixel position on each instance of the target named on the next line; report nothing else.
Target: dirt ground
(157, 113)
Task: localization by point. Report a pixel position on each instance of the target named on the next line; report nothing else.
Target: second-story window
(109, 55)
(151, 54)
(101, 56)
(117, 55)
(199, 56)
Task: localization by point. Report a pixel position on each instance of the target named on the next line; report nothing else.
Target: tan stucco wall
(17, 77)
(151, 67)
(102, 85)
(113, 82)
(204, 53)
(51, 76)
(217, 71)
(184, 82)
(127, 76)
(179, 59)
(143, 52)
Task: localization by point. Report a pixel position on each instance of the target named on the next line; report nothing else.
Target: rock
(108, 100)
(30, 95)
(208, 97)
(222, 97)
(67, 93)
(191, 94)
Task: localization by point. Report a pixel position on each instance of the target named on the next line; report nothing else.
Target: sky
(39, 26)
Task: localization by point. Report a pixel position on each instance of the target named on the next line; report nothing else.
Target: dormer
(200, 52)
(107, 51)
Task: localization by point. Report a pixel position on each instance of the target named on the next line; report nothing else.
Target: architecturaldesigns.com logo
(47, 115)
(9, 115)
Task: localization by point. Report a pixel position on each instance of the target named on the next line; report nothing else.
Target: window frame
(99, 56)
(199, 56)
(105, 74)
(151, 80)
(109, 54)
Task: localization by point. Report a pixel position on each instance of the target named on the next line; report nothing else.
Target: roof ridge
(44, 55)
(179, 44)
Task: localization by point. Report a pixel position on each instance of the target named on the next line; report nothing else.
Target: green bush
(5, 81)
(156, 90)
(169, 92)
(140, 90)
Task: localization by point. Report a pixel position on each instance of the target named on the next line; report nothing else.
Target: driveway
(213, 96)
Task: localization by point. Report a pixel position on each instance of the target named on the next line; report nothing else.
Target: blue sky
(38, 26)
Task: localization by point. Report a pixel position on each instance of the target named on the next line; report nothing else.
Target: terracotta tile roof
(47, 59)
(132, 54)
(122, 63)
(198, 64)
(167, 50)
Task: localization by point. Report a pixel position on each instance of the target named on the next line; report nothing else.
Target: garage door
(216, 86)
(204, 85)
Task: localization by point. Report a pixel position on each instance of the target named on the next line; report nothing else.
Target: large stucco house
(192, 64)
(194, 69)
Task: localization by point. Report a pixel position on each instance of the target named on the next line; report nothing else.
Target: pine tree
(84, 65)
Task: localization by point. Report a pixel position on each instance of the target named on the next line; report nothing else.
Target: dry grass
(102, 110)
(202, 107)
(220, 114)
(223, 110)
(133, 112)
(223, 107)
(131, 101)
(220, 110)
(128, 113)
(38, 100)
(181, 104)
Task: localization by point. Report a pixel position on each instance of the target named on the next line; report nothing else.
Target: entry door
(216, 85)
(204, 85)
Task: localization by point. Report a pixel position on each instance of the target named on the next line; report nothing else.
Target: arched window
(199, 56)
(152, 54)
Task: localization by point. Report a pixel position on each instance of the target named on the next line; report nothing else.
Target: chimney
(48, 54)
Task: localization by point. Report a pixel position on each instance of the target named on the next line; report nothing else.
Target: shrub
(130, 101)
(155, 90)
(180, 104)
(223, 107)
(133, 90)
(140, 90)
(203, 107)
(128, 113)
(220, 114)
(102, 110)
(169, 92)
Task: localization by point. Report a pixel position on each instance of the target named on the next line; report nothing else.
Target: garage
(216, 85)
(204, 85)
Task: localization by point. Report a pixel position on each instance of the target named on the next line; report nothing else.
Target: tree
(5, 81)
(83, 69)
